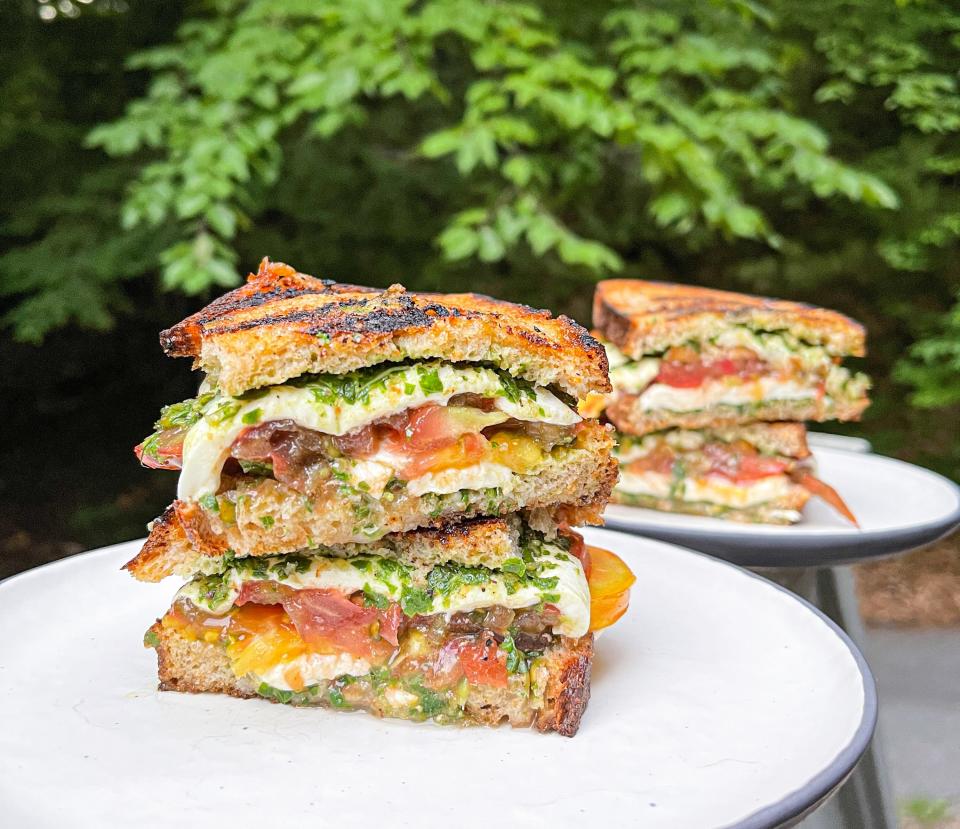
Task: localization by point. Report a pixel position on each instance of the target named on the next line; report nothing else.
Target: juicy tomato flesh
(578, 548)
(480, 660)
(432, 438)
(168, 450)
(660, 460)
(272, 624)
(741, 462)
(826, 492)
(610, 581)
(327, 621)
(684, 368)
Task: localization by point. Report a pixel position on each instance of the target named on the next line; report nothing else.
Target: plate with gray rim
(719, 700)
(900, 507)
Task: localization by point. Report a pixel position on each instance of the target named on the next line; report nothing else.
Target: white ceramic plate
(899, 506)
(718, 700)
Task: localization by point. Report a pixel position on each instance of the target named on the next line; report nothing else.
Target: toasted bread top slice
(477, 541)
(643, 318)
(282, 324)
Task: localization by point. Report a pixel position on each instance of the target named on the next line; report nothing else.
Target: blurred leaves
(531, 112)
(804, 149)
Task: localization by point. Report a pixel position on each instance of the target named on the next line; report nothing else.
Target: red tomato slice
(167, 451)
(610, 581)
(659, 460)
(822, 490)
(328, 622)
(577, 547)
(467, 450)
(480, 659)
(740, 462)
(692, 374)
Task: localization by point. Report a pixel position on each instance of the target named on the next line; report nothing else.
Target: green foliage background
(526, 149)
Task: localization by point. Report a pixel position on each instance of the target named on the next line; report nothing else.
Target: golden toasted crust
(487, 537)
(282, 324)
(573, 489)
(195, 666)
(785, 439)
(644, 318)
(779, 511)
(625, 412)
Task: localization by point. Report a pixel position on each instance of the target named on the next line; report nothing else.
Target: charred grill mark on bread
(316, 325)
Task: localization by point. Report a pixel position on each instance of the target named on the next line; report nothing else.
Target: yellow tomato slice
(515, 451)
(610, 580)
(262, 636)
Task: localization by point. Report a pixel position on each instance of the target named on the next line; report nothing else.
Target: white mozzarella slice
(479, 476)
(207, 444)
(313, 668)
(724, 391)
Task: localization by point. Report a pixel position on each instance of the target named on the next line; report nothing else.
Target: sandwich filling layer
(737, 367)
(386, 629)
(722, 469)
(422, 428)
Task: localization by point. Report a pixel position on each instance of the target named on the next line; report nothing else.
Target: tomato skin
(167, 450)
(741, 463)
(578, 548)
(681, 375)
(480, 659)
(691, 374)
(610, 581)
(660, 460)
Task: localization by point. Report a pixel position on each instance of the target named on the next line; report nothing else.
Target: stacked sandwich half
(711, 389)
(376, 490)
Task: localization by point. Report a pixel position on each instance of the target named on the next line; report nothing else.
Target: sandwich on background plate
(756, 473)
(332, 414)
(376, 489)
(709, 388)
(689, 357)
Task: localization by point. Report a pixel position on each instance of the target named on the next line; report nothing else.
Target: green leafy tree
(687, 111)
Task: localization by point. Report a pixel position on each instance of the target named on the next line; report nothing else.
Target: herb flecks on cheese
(338, 404)
(543, 573)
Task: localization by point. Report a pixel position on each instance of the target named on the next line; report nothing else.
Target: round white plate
(718, 700)
(899, 506)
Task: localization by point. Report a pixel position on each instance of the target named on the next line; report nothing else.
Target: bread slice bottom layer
(625, 412)
(781, 511)
(572, 487)
(552, 696)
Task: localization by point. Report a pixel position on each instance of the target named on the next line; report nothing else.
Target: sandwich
(375, 500)
(403, 627)
(755, 473)
(333, 414)
(687, 357)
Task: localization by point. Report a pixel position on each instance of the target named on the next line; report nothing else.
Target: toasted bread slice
(282, 324)
(272, 518)
(781, 511)
(562, 677)
(644, 318)
(626, 413)
(485, 541)
(785, 439)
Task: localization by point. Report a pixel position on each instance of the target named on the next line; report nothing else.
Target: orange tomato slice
(610, 580)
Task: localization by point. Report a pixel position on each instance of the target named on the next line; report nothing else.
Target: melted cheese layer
(207, 444)
(571, 595)
(711, 489)
(724, 391)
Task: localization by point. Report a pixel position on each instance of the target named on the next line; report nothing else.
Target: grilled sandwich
(373, 510)
(756, 473)
(398, 628)
(691, 357)
(334, 414)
